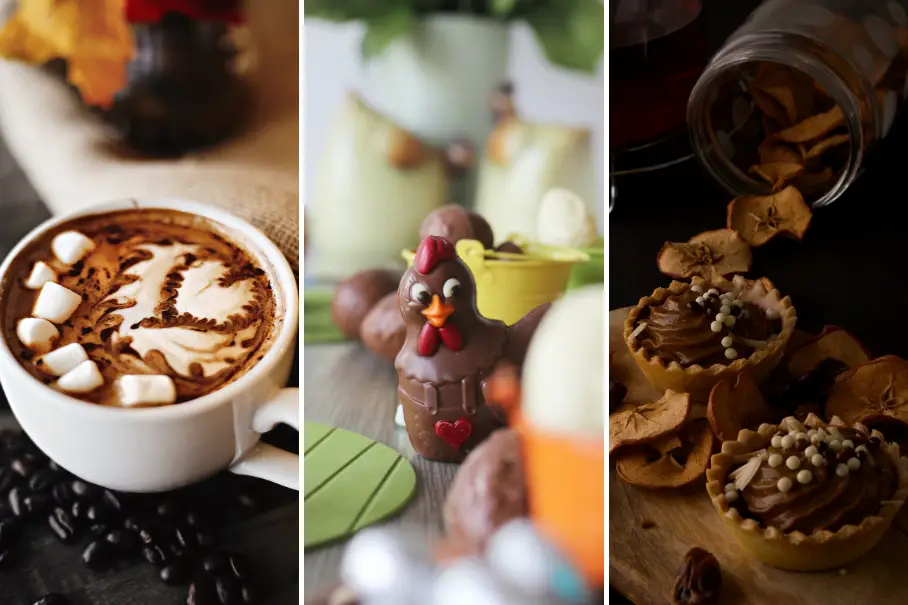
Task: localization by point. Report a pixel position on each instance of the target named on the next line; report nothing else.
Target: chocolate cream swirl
(678, 329)
(831, 499)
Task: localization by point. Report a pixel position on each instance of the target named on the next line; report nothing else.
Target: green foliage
(571, 32)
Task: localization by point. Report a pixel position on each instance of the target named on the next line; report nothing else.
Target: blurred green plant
(571, 32)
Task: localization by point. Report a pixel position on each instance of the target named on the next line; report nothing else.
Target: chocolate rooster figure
(449, 353)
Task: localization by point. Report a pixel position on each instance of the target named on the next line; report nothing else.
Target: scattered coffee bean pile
(176, 532)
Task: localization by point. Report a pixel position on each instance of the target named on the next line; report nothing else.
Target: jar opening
(761, 119)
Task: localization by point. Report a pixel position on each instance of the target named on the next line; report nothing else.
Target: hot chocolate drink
(138, 308)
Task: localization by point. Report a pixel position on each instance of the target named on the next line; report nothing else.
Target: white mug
(162, 448)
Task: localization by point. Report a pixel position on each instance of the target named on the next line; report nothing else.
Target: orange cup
(566, 489)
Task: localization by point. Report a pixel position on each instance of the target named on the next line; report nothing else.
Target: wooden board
(643, 562)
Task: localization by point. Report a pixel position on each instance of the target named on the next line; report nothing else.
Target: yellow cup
(508, 286)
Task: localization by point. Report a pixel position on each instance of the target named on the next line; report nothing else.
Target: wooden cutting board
(643, 562)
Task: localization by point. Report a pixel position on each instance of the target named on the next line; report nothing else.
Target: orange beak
(438, 312)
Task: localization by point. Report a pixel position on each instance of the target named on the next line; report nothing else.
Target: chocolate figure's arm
(520, 334)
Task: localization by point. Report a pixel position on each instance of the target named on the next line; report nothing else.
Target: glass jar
(853, 50)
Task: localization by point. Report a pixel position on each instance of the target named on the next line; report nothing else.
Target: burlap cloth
(71, 163)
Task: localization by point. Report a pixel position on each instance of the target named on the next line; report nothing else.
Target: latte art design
(159, 295)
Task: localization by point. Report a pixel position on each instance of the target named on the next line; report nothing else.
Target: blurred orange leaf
(93, 37)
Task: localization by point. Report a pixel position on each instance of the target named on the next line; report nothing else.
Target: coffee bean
(38, 503)
(78, 509)
(185, 538)
(23, 466)
(53, 598)
(97, 513)
(62, 493)
(96, 554)
(84, 490)
(215, 563)
(168, 508)
(123, 539)
(202, 592)
(240, 567)
(16, 498)
(54, 466)
(175, 573)
(42, 480)
(6, 558)
(154, 555)
(249, 594)
(228, 589)
(7, 480)
(146, 536)
(247, 502)
(205, 539)
(112, 500)
(61, 523)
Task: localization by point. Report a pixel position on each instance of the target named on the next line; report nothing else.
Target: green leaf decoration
(318, 326)
(384, 29)
(351, 482)
(571, 32)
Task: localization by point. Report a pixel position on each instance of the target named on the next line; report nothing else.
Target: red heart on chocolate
(454, 434)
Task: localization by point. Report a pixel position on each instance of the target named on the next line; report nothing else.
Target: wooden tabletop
(269, 538)
(348, 387)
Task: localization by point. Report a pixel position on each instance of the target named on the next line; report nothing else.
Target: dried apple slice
(872, 390)
(758, 219)
(649, 421)
(821, 146)
(834, 342)
(770, 106)
(777, 174)
(710, 254)
(732, 408)
(813, 127)
(772, 151)
(674, 460)
(807, 182)
(790, 90)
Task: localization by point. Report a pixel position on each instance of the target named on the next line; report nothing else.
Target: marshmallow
(38, 335)
(564, 220)
(40, 275)
(56, 303)
(145, 389)
(71, 246)
(84, 378)
(64, 359)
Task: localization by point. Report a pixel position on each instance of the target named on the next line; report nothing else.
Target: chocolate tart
(674, 338)
(808, 497)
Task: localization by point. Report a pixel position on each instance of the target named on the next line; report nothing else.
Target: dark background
(851, 269)
(269, 537)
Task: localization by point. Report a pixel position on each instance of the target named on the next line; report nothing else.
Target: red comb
(432, 251)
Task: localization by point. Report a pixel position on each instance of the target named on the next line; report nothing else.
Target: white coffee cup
(161, 448)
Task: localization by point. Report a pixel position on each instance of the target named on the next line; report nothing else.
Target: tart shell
(698, 380)
(796, 551)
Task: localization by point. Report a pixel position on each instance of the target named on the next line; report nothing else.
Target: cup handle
(266, 461)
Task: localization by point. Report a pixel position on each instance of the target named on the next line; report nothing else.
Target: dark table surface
(269, 537)
(847, 271)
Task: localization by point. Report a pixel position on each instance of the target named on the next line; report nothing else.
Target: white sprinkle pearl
(727, 341)
(821, 434)
(716, 326)
(811, 450)
(788, 442)
(701, 300)
(784, 484)
(731, 353)
(861, 448)
(738, 303)
(775, 460)
(817, 460)
(745, 313)
(713, 291)
(696, 288)
(725, 309)
(800, 436)
(772, 314)
(834, 431)
(730, 321)
(793, 462)
(835, 445)
(805, 476)
(853, 464)
(776, 441)
(841, 470)
(848, 443)
(731, 496)
(720, 317)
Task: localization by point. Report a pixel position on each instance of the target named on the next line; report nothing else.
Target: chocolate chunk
(699, 579)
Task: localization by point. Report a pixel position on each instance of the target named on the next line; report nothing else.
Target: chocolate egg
(455, 223)
(383, 331)
(355, 297)
(509, 248)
